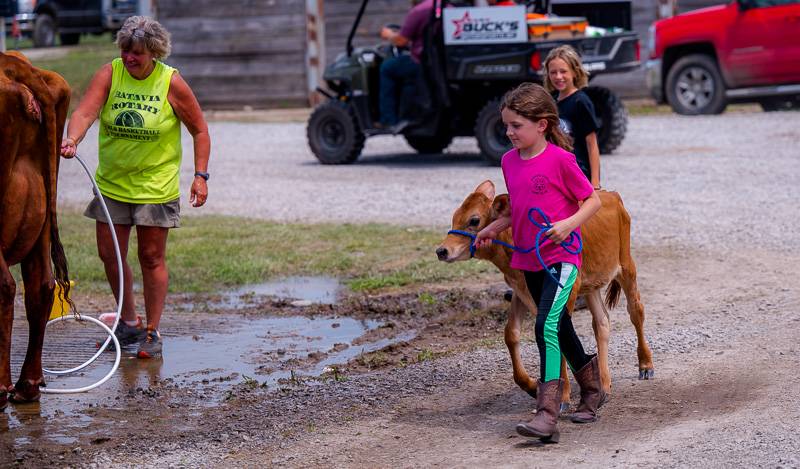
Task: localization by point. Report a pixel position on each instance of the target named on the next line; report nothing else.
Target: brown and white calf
(606, 261)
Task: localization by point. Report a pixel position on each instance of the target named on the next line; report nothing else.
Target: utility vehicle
(464, 78)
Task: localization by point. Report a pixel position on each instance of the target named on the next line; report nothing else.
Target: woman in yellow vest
(141, 103)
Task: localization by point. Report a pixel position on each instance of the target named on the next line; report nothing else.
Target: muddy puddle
(208, 353)
(270, 351)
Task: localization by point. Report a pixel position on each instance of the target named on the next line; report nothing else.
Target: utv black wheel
(612, 115)
(429, 145)
(491, 133)
(70, 39)
(780, 104)
(44, 31)
(334, 134)
(695, 86)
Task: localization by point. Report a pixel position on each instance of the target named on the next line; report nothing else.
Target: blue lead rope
(543, 228)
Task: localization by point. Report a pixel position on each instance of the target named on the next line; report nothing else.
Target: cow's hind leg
(39, 286)
(516, 312)
(602, 331)
(8, 288)
(627, 278)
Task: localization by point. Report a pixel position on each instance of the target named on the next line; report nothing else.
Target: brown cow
(34, 107)
(606, 261)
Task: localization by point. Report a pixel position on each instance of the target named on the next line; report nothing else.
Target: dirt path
(724, 344)
(722, 394)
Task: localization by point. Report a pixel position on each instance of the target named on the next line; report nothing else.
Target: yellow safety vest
(140, 139)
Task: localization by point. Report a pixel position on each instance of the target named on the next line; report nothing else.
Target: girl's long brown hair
(534, 103)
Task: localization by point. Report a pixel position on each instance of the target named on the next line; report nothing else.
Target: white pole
(2, 34)
(315, 48)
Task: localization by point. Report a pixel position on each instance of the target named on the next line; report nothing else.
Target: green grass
(86, 40)
(214, 253)
(79, 64)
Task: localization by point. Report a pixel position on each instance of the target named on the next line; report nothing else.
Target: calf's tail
(612, 294)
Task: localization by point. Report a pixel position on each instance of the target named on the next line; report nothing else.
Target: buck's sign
(485, 25)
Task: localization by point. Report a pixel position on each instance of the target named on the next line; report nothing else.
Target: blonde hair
(146, 32)
(566, 53)
(534, 103)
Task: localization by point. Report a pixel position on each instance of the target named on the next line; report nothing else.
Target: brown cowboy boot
(592, 394)
(548, 403)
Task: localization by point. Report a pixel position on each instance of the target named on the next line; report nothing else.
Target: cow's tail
(615, 287)
(612, 294)
(60, 268)
(55, 126)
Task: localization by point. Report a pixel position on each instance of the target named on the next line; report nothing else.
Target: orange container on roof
(555, 27)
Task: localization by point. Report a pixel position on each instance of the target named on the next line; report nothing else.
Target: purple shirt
(414, 27)
(553, 182)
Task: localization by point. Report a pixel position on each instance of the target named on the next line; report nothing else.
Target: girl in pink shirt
(541, 173)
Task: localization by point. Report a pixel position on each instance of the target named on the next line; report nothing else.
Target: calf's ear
(501, 206)
(486, 188)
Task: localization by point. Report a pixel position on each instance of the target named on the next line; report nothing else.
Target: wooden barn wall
(238, 53)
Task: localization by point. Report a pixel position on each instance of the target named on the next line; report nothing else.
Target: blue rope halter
(543, 228)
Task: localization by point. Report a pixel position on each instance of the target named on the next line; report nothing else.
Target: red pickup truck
(744, 51)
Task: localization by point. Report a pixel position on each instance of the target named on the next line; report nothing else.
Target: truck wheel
(612, 115)
(334, 134)
(491, 133)
(429, 145)
(695, 86)
(69, 39)
(44, 31)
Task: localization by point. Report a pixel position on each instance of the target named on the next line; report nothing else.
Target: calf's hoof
(27, 391)
(3, 400)
(647, 373)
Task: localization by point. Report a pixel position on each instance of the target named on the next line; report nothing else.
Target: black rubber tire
(44, 31)
(780, 104)
(429, 145)
(491, 133)
(695, 86)
(69, 39)
(334, 134)
(611, 114)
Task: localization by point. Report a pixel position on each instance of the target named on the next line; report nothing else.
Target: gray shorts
(166, 215)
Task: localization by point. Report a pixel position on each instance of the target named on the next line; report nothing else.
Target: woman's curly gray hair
(146, 32)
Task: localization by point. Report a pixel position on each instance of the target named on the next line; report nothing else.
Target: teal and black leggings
(554, 332)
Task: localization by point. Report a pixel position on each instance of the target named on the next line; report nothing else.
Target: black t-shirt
(578, 120)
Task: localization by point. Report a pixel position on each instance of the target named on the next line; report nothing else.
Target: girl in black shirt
(564, 78)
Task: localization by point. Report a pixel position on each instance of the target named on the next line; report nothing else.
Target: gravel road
(688, 178)
(716, 240)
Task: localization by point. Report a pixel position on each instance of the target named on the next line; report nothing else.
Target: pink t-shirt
(553, 182)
